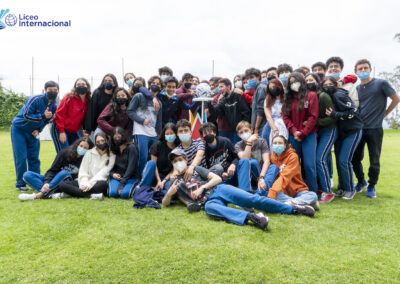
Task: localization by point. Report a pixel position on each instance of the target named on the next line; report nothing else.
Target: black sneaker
(194, 207)
(340, 192)
(303, 210)
(259, 220)
(22, 188)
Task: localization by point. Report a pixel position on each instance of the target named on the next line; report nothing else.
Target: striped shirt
(191, 151)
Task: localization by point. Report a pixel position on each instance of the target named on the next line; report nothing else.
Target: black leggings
(71, 187)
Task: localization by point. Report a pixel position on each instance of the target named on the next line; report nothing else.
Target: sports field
(80, 240)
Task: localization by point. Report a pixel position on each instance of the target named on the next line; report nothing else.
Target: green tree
(10, 104)
(393, 119)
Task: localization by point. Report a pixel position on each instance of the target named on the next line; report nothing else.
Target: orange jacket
(289, 180)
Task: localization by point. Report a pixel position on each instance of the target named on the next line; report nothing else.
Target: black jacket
(235, 108)
(61, 163)
(126, 164)
(98, 102)
(346, 113)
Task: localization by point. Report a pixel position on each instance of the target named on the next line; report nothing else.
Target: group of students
(265, 133)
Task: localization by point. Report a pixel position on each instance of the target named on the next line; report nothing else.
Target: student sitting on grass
(204, 190)
(254, 150)
(93, 173)
(124, 174)
(193, 148)
(65, 165)
(159, 165)
(289, 186)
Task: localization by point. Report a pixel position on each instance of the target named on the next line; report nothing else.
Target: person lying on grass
(215, 197)
(65, 165)
(288, 186)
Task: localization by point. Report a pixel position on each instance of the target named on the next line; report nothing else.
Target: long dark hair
(124, 139)
(102, 134)
(173, 127)
(271, 99)
(115, 108)
(112, 76)
(316, 78)
(301, 94)
(74, 93)
(72, 154)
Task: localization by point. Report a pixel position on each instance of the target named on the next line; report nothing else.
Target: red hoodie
(248, 96)
(309, 114)
(70, 113)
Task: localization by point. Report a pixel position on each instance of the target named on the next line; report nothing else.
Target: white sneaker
(332, 183)
(55, 196)
(27, 196)
(97, 196)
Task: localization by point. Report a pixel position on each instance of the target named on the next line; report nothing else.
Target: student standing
(70, 115)
(25, 128)
(372, 95)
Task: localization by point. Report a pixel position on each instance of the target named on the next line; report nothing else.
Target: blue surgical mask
(264, 81)
(278, 149)
(163, 77)
(284, 78)
(252, 83)
(130, 82)
(170, 138)
(363, 75)
(185, 137)
(334, 75)
(81, 151)
(247, 87)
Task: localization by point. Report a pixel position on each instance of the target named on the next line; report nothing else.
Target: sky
(188, 35)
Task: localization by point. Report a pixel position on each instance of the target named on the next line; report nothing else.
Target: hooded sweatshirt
(289, 180)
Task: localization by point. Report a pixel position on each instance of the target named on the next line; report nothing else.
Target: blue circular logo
(10, 20)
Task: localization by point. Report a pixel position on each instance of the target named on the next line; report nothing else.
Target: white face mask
(238, 84)
(180, 166)
(170, 96)
(295, 87)
(245, 136)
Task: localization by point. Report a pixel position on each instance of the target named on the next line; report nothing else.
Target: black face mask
(52, 95)
(187, 85)
(271, 77)
(321, 76)
(108, 85)
(330, 90)
(118, 142)
(102, 146)
(136, 89)
(155, 88)
(274, 92)
(209, 138)
(312, 86)
(81, 90)
(121, 101)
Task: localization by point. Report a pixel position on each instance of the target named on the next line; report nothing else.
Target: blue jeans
(36, 181)
(272, 174)
(306, 150)
(25, 150)
(266, 133)
(126, 191)
(245, 170)
(344, 151)
(55, 135)
(148, 176)
(144, 142)
(309, 197)
(326, 139)
(223, 194)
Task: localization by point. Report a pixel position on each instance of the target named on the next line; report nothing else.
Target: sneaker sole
(362, 189)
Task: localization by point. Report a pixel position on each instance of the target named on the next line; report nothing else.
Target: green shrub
(10, 104)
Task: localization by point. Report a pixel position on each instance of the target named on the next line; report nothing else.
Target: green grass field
(77, 240)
